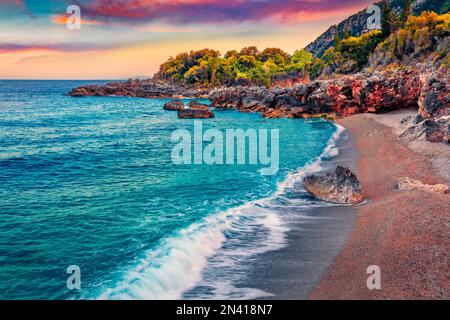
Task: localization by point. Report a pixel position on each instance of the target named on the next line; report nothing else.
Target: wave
(219, 242)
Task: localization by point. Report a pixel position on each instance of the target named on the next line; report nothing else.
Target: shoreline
(316, 234)
(403, 232)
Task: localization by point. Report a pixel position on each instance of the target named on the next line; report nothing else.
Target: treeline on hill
(403, 39)
(401, 35)
(208, 68)
(423, 39)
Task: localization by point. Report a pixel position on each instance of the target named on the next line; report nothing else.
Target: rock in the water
(195, 114)
(407, 184)
(147, 88)
(174, 105)
(341, 186)
(197, 105)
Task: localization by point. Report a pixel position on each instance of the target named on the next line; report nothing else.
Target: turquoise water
(90, 182)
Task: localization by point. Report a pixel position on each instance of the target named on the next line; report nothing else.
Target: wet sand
(315, 237)
(405, 233)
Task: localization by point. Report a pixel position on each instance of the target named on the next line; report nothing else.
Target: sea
(90, 182)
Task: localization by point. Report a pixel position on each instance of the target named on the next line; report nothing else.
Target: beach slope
(405, 233)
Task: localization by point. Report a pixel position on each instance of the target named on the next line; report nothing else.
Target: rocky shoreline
(338, 97)
(147, 88)
(341, 96)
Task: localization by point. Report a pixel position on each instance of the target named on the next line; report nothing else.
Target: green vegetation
(418, 38)
(208, 68)
(348, 55)
(401, 35)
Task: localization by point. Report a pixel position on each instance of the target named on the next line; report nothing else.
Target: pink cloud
(213, 11)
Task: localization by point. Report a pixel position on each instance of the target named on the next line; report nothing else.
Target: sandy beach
(405, 233)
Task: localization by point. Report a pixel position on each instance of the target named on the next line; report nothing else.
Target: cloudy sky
(120, 39)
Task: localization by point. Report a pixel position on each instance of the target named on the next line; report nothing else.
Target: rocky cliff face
(360, 93)
(356, 24)
(432, 122)
(342, 96)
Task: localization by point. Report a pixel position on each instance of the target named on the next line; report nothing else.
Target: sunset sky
(122, 39)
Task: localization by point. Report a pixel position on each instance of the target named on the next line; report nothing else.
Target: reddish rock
(345, 95)
(195, 114)
(350, 111)
(197, 105)
(276, 113)
(174, 105)
(147, 88)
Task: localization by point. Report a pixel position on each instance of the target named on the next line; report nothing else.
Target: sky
(123, 39)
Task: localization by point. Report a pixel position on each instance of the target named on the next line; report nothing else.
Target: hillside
(420, 40)
(356, 25)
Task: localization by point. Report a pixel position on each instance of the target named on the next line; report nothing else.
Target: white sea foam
(178, 264)
(315, 165)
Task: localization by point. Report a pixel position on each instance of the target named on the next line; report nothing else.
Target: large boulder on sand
(174, 105)
(195, 114)
(341, 186)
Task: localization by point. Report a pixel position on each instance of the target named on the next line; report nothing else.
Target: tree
(276, 55)
(250, 51)
(346, 34)
(213, 66)
(386, 20)
(359, 48)
(407, 7)
(300, 60)
(231, 53)
(337, 39)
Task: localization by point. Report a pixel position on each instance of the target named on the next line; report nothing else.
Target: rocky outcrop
(174, 105)
(432, 122)
(341, 186)
(197, 105)
(434, 100)
(195, 114)
(355, 25)
(407, 184)
(138, 88)
(431, 129)
(342, 96)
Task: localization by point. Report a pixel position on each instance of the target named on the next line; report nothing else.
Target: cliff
(348, 95)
